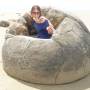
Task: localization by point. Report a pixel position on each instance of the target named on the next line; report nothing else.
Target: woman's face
(35, 13)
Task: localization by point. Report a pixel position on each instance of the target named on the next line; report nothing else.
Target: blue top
(41, 29)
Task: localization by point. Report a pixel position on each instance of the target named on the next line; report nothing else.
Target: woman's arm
(50, 28)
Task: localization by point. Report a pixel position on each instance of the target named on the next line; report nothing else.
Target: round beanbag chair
(63, 58)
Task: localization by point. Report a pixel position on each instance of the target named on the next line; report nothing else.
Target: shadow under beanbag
(63, 58)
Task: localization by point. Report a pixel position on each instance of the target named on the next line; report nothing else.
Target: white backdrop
(20, 5)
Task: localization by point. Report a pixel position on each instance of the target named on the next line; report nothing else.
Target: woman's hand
(39, 20)
(50, 29)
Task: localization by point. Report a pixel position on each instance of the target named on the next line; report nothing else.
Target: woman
(41, 24)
